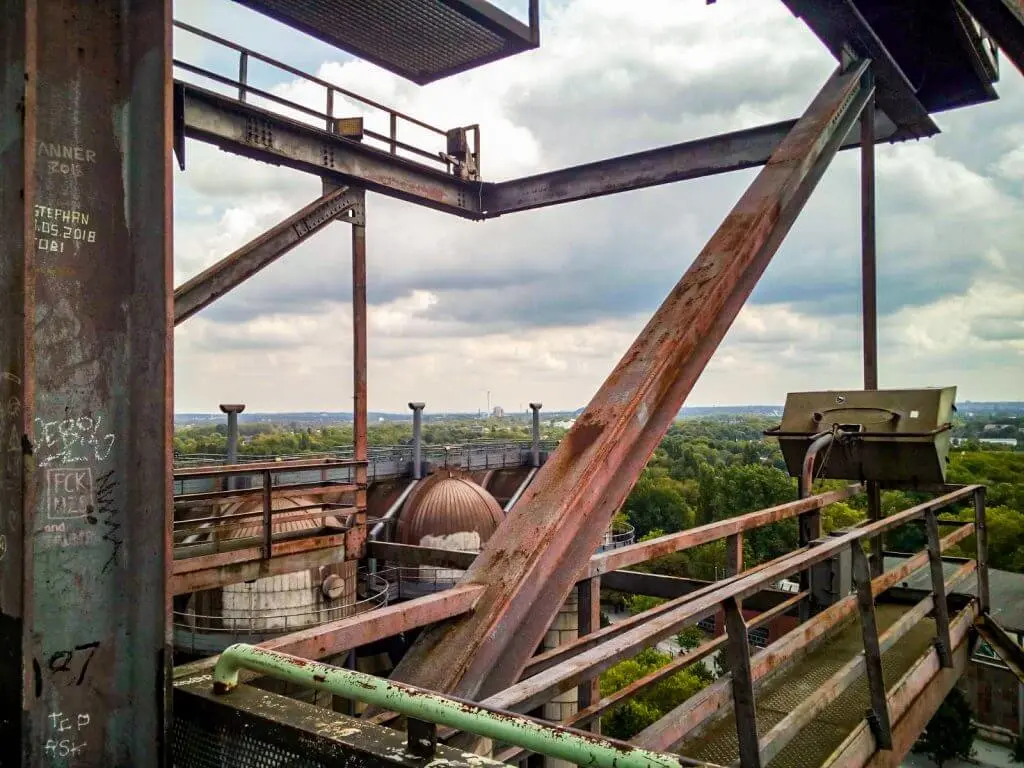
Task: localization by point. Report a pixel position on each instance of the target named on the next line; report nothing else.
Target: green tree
(950, 732)
(656, 502)
(652, 703)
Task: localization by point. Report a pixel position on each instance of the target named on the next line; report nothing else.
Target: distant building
(498, 412)
(563, 424)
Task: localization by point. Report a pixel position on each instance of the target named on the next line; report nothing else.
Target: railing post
(422, 737)
(738, 651)
(330, 109)
(981, 543)
(942, 644)
(268, 527)
(588, 594)
(878, 714)
(734, 554)
(243, 75)
(394, 134)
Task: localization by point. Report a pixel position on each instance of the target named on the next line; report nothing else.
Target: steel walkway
(781, 695)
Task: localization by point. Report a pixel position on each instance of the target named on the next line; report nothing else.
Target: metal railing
(211, 633)
(201, 528)
(412, 581)
(331, 96)
(618, 535)
(384, 461)
(427, 709)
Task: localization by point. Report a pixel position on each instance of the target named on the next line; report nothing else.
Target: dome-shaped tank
(446, 511)
(449, 511)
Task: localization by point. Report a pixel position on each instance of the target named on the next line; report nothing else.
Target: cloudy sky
(541, 305)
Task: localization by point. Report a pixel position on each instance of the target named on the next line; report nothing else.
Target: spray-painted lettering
(72, 441)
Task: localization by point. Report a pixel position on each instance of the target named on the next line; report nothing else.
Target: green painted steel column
(85, 223)
(575, 747)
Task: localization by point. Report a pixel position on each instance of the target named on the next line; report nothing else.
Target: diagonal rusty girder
(534, 559)
(234, 269)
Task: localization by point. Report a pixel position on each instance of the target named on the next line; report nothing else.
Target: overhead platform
(420, 40)
(928, 55)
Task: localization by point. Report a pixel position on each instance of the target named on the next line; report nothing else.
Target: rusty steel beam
(360, 414)
(261, 135)
(574, 495)
(233, 270)
(642, 551)
(343, 635)
(336, 637)
(85, 382)
(724, 153)
(712, 702)
(1004, 21)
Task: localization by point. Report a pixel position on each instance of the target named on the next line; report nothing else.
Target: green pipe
(508, 728)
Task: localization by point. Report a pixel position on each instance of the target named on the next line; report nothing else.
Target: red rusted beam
(345, 634)
(643, 551)
(234, 269)
(360, 414)
(339, 636)
(538, 553)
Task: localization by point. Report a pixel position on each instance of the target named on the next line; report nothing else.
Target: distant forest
(705, 469)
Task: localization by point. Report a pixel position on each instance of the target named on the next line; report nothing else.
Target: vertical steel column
(588, 594)
(85, 381)
(359, 407)
(738, 652)
(981, 548)
(878, 715)
(734, 554)
(869, 308)
(941, 610)
(535, 435)
(417, 439)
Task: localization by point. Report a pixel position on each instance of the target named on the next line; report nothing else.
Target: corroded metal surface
(85, 267)
(431, 708)
(234, 269)
(253, 728)
(575, 494)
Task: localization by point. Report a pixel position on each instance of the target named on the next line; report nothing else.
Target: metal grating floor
(780, 696)
(423, 40)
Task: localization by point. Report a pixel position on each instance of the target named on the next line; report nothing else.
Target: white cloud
(541, 305)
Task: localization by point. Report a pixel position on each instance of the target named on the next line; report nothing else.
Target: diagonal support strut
(233, 270)
(532, 563)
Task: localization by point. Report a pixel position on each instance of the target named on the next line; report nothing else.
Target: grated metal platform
(422, 40)
(826, 732)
